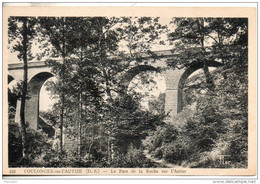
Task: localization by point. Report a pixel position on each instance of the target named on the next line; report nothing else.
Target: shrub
(14, 144)
(133, 158)
(39, 147)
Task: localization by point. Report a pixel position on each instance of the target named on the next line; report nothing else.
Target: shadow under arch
(32, 103)
(10, 79)
(130, 74)
(36, 82)
(186, 74)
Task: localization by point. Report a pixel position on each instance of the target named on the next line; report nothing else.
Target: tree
(104, 60)
(191, 34)
(137, 35)
(130, 123)
(59, 31)
(21, 32)
(206, 40)
(88, 80)
(157, 106)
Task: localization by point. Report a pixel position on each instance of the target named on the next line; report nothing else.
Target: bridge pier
(173, 93)
(171, 105)
(173, 99)
(31, 112)
(32, 100)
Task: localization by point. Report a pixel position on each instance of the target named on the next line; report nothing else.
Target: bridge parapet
(33, 64)
(144, 56)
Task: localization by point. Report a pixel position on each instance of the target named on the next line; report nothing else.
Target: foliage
(14, 144)
(157, 105)
(211, 39)
(205, 40)
(51, 116)
(90, 94)
(168, 142)
(39, 146)
(219, 126)
(16, 34)
(132, 158)
(132, 124)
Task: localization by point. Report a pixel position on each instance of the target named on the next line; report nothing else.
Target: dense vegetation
(213, 124)
(98, 124)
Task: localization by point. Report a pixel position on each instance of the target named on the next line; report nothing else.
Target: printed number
(12, 171)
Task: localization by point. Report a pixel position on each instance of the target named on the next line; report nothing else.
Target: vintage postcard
(132, 91)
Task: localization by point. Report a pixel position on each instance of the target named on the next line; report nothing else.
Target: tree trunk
(63, 81)
(24, 91)
(62, 109)
(89, 149)
(108, 150)
(77, 139)
(80, 124)
(209, 80)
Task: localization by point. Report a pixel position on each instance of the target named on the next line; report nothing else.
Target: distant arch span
(175, 80)
(194, 67)
(131, 73)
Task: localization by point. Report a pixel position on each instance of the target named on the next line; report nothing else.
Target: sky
(46, 99)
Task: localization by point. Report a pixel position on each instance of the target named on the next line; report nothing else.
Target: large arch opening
(47, 98)
(189, 72)
(146, 88)
(149, 83)
(130, 74)
(32, 103)
(47, 121)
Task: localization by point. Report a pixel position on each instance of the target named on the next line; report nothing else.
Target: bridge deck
(35, 64)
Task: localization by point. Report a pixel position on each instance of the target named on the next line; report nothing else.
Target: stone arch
(36, 82)
(32, 103)
(130, 74)
(194, 67)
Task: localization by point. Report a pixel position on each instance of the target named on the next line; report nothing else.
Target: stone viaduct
(38, 73)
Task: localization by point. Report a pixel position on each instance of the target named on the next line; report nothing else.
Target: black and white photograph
(127, 92)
